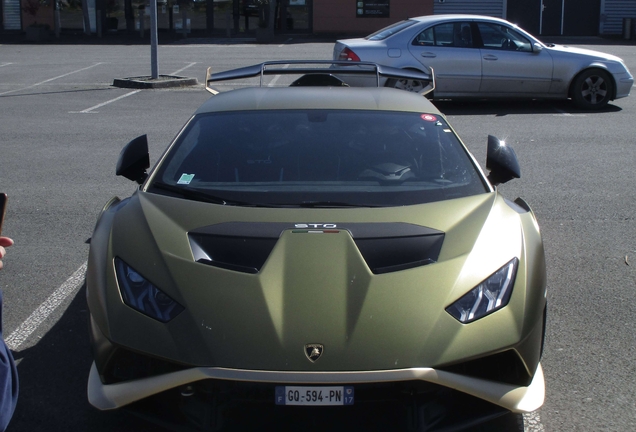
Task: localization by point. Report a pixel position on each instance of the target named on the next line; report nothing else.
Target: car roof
(344, 98)
(456, 17)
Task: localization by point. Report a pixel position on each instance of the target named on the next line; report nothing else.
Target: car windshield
(317, 158)
(390, 30)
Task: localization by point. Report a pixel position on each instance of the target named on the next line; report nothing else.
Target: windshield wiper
(203, 196)
(199, 195)
(333, 204)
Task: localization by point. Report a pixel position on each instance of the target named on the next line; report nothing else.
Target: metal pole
(562, 16)
(56, 18)
(153, 39)
(541, 18)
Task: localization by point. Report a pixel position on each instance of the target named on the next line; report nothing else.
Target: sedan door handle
(428, 54)
(490, 57)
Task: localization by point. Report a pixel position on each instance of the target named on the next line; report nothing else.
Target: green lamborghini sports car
(317, 247)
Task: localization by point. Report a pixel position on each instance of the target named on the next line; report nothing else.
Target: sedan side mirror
(501, 161)
(537, 47)
(134, 160)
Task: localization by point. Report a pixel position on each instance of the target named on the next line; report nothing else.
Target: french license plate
(318, 396)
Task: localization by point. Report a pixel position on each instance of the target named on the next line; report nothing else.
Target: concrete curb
(161, 82)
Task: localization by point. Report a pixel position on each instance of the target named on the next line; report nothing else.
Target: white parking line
(235, 45)
(51, 79)
(182, 69)
(68, 288)
(532, 422)
(5, 64)
(90, 110)
(272, 83)
(567, 114)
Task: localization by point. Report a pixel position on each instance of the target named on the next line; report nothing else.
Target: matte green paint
(316, 288)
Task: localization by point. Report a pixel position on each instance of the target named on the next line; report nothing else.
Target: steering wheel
(509, 44)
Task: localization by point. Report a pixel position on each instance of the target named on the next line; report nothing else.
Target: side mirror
(501, 161)
(134, 160)
(537, 47)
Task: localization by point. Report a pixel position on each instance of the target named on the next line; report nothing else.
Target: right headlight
(487, 297)
(143, 296)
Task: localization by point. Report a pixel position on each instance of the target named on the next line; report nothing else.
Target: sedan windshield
(317, 158)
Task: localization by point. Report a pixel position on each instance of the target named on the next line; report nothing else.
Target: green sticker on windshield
(185, 178)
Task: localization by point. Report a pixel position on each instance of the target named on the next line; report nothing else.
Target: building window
(372, 8)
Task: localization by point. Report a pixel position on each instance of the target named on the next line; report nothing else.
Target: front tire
(592, 89)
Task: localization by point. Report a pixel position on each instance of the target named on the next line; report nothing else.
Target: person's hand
(4, 243)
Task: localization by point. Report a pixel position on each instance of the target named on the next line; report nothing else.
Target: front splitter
(518, 399)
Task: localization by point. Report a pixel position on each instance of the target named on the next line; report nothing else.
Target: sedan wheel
(592, 89)
(406, 84)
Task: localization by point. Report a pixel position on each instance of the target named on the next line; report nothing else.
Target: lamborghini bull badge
(313, 351)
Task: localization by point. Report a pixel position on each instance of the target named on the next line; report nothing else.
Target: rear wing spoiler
(310, 67)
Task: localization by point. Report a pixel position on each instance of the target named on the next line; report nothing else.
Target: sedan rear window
(326, 158)
(390, 30)
(452, 34)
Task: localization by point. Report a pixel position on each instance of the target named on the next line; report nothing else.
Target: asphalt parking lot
(63, 125)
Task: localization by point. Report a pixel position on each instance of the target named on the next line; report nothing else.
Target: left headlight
(143, 296)
(487, 297)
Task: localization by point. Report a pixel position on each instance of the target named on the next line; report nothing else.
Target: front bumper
(517, 399)
(624, 84)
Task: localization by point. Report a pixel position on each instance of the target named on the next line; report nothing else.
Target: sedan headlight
(487, 297)
(143, 296)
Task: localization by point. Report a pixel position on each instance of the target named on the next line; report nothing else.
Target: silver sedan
(484, 57)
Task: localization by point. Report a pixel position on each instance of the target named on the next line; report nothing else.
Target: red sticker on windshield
(429, 117)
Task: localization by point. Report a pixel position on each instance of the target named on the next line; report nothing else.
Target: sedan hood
(584, 52)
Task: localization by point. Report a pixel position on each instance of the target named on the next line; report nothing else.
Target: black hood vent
(386, 255)
(232, 253)
(391, 247)
(386, 247)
